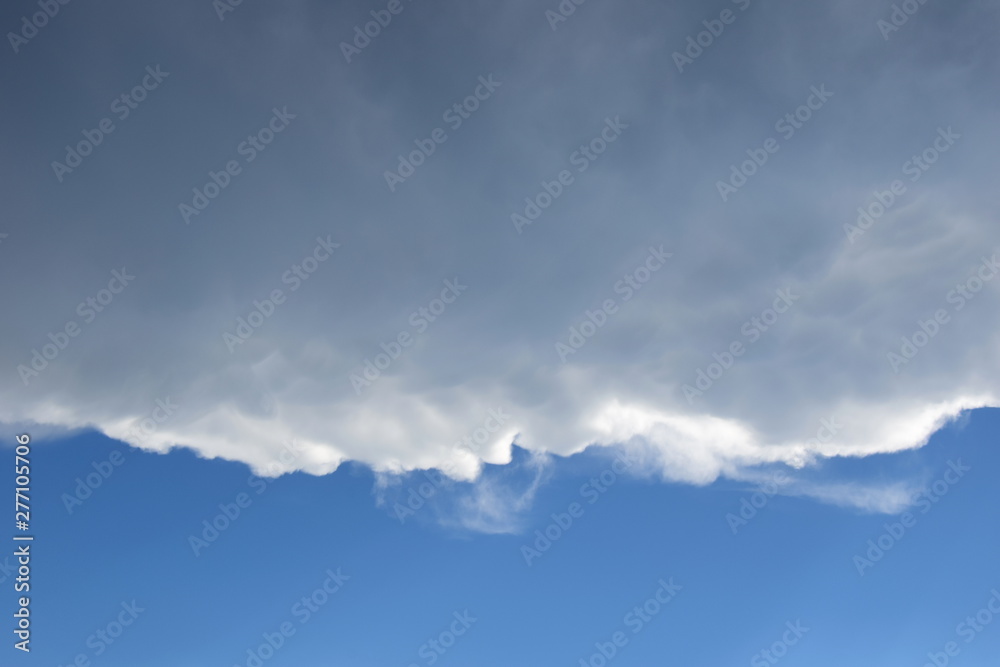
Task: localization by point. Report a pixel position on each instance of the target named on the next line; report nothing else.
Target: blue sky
(407, 286)
(792, 562)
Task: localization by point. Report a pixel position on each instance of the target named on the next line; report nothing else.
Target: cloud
(769, 316)
(495, 505)
(495, 501)
(882, 499)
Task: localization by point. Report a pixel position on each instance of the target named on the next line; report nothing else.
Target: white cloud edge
(677, 448)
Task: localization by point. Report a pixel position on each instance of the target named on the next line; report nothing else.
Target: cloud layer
(581, 242)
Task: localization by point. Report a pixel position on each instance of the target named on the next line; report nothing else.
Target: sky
(391, 284)
(402, 576)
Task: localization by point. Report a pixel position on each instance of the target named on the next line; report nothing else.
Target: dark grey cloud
(495, 345)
